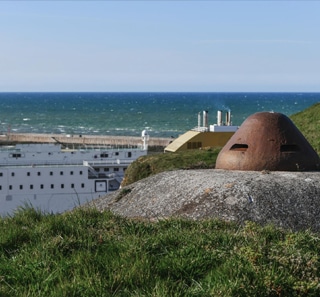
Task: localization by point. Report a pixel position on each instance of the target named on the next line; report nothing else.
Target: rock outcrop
(289, 200)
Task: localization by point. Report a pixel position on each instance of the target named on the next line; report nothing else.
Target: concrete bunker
(268, 141)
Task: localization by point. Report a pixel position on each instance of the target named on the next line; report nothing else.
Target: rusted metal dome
(268, 141)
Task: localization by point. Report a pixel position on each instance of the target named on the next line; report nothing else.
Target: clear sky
(161, 46)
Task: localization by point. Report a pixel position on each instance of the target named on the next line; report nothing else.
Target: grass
(89, 253)
(156, 163)
(308, 122)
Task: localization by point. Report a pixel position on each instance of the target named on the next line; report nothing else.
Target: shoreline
(14, 138)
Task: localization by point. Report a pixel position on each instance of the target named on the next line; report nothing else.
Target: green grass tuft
(92, 253)
(308, 122)
(156, 163)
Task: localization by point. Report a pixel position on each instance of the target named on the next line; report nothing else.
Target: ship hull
(53, 180)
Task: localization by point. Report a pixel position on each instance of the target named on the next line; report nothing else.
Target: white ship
(54, 179)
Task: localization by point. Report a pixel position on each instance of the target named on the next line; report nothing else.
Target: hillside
(93, 253)
(156, 163)
(308, 122)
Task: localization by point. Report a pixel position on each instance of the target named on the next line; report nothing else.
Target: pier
(67, 139)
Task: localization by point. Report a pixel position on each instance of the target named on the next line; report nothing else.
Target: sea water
(127, 114)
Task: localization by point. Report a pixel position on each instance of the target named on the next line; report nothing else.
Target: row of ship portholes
(42, 187)
(51, 173)
(39, 173)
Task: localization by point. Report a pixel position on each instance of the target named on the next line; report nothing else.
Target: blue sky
(161, 46)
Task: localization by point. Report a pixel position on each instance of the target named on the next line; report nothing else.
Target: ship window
(39, 173)
(116, 169)
(104, 155)
(41, 186)
(72, 186)
(82, 185)
(71, 172)
(10, 187)
(28, 173)
(61, 172)
(62, 186)
(117, 153)
(1, 173)
(80, 172)
(129, 154)
(31, 187)
(15, 155)
(51, 173)
(12, 173)
(106, 169)
(0, 187)
(21, 187)
(52, 186)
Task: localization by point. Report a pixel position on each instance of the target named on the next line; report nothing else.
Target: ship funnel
(219, 118)
(228, 118)
(199, 120)
(205, 118)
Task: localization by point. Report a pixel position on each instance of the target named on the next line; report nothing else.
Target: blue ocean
(127, 114)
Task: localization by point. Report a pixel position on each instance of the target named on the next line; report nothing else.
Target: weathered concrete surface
(285, 199)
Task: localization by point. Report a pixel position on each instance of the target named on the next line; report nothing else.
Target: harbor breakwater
(122, 141)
